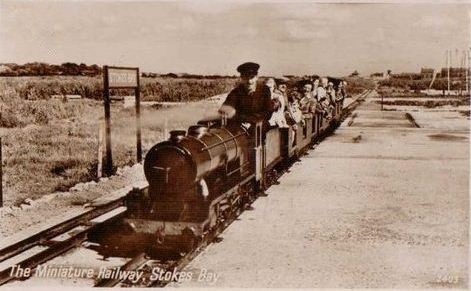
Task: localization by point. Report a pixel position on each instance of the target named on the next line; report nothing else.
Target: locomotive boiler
(175, 167)
(189, 175)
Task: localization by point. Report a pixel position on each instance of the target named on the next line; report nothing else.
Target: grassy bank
(50, 145)
(27, 100)
(41, 159)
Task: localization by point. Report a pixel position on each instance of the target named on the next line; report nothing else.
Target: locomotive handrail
(238, 169)
(222, 142)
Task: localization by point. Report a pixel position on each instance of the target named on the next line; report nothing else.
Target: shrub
(152, 89)
(422, 84)
(358, 85)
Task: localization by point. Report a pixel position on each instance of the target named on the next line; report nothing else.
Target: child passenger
(278, 116)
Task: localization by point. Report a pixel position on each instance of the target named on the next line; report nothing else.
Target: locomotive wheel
(190, 241)
(272, 178)
(160, 237)
(249, 207)
(262, 194)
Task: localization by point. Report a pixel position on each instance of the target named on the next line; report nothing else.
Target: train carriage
(273, 148)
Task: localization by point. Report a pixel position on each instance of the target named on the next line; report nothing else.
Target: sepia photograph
(234, 144)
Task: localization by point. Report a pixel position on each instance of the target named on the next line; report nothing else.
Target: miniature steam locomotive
(198, 179)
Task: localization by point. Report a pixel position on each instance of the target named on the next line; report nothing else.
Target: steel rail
(133, 264)
(55, 246)
(21, 245)
(51, 241)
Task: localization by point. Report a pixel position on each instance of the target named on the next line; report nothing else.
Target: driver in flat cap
(249, 100)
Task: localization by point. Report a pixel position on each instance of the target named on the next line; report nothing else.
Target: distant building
(454, 73)
(426, 73)
(406, 76)
(354, 74)
(377, 75)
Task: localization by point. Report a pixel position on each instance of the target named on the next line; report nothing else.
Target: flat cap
(248, 68)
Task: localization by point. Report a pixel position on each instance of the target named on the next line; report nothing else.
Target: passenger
(248, 101)
(327, 108)
(318, 90)
(331, 92)
(344, 89)
(293, 114)
(321, 89)
(307, 103)
(340, 92)
(282, 89)
(315, 85)
(276, 98)
(324, 82)
(278, 104)
(325, 93)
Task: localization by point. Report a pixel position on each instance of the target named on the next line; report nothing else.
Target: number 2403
(452, 279)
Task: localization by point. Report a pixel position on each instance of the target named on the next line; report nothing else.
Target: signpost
(120, 78)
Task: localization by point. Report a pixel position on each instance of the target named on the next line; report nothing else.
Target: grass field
(50, 145)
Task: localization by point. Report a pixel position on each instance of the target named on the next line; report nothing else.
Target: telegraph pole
(467, 70)
(463, 66)
(448, 61)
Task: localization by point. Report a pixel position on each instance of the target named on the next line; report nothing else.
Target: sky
(213, 37)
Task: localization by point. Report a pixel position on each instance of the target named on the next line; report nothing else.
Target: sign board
(122, 77)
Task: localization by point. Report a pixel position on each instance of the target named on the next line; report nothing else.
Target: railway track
(53, 239)
(141, 261)
(30, 250)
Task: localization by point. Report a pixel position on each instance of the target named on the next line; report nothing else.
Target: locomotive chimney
(197, 130)
(177, 135)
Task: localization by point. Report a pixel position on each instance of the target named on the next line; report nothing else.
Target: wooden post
(462, 65)
(466, 65)
(382, 96)
(138, 120)
(166, 129)
(106, 95)
(99, 170)
(448, 60)
(1, 175)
